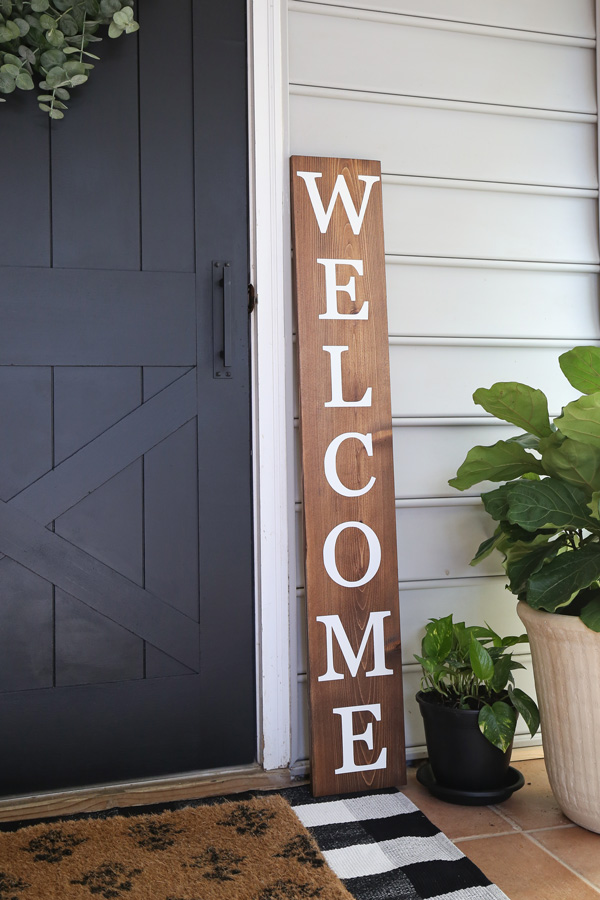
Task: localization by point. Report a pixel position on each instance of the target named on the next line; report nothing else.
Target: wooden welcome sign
(355, 677)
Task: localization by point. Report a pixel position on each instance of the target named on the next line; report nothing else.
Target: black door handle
(222, 320)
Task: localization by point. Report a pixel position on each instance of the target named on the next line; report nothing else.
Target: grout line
(512, 822)
(581, 877)
(517, 829)
(483, 837)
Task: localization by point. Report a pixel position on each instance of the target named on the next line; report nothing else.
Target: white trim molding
(273, 435)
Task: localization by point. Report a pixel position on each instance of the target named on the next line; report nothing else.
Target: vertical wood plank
(344, 580)
(25, 223)
(95, 166)
(167, 165)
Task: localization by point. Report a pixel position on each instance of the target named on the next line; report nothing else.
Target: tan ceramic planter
(566, 666)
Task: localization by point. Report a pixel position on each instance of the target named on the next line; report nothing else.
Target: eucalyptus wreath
(46, 41)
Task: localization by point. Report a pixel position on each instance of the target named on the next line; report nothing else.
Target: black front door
(126, 586)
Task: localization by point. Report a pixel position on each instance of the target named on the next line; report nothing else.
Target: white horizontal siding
(440, 380)
(571, 17)
(383, 53)
(443, 142)
(452, 220)
(491, 302)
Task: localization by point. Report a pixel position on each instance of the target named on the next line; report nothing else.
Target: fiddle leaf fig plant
(471, 667)
(548, 508)
(46, 42)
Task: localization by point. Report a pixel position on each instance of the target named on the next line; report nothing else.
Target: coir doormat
(255, 849)
(264, 847)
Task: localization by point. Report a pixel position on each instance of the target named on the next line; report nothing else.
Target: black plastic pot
(460, 757)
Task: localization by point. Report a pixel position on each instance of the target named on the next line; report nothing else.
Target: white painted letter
(337, 398)
(330, 463)
(332, 288)
(329, 554)
(341, 188)
(333, 625)
(349, 738)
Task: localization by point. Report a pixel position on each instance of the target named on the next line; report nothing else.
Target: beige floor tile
(534, 805)
(454, 820)
(524, 871)
(579, 848)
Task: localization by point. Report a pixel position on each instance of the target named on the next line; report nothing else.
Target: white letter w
(341, 188)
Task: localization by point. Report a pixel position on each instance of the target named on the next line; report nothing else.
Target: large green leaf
(580, 420)
(523, 703)
(517, 403)
(556, 583)
(481, 661)
(581, 367)
(572, 461)
(524, 560)
(549, 503)
(590, 614)
(496, 502)
(497, 723)
(500, 462)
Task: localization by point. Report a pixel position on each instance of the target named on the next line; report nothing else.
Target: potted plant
(470, 705)
(548, 529)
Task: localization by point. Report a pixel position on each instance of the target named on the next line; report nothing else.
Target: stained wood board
(354, 656)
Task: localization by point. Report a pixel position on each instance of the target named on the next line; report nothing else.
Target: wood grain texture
(364, 365)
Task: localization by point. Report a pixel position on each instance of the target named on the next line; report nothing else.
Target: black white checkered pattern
(383, 848)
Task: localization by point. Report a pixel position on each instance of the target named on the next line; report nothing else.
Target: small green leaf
(51, 58)
(523, 703)
(56, 114)
(56, 76)
(109, 7)
(77, 80)
(502, 672)
(114, 31)
(39, 5)
(497, 723)
(47, 21)
(55, 37)
(123, 17)
(23, 26)
(581, 366)
(7, 83)
(11, 70)
(25, 81)
(488, 546)
(437, 642)
(517, 403)
(481, 661)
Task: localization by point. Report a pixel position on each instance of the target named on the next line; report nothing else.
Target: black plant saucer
(514, 782)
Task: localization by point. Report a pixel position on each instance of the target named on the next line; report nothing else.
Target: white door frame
(272, 354)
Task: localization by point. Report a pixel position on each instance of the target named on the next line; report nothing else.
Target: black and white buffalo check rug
(383, 848)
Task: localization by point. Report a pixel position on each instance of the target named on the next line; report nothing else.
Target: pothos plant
(46, 41)
(471, 667)
(548, 509)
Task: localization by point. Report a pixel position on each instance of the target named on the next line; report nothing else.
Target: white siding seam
(396, 259)
(367, 15)
(348, 4)
(397, 340)
(444, 421)
(504, 187)
(470, 106)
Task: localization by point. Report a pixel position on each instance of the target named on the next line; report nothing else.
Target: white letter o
(329, 554)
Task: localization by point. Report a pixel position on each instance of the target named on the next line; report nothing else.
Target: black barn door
(126, 607)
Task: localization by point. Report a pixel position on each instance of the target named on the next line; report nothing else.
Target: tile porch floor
(525, 845)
